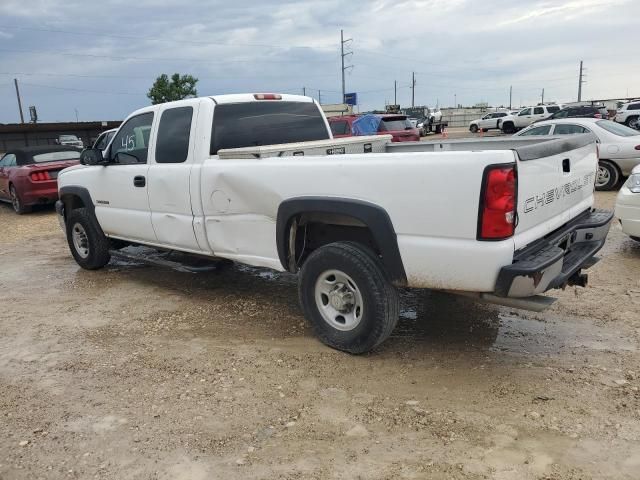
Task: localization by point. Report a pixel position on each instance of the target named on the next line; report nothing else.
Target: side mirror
(91, 156)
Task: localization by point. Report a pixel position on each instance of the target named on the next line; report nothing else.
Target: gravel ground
(135, 372)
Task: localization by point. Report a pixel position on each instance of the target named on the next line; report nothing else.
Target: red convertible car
(28, 176)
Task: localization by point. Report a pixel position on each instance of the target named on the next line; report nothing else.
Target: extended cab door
(170, 173)
(524, 119)
(119, 189)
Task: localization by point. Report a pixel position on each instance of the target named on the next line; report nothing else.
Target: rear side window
(172, 145)
(634, 106)
(564, 129)
(553, 109)
(339, 128)
(538, 111)
(9, 160)
(238, 125)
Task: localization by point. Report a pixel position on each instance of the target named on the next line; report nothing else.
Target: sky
(96, 60)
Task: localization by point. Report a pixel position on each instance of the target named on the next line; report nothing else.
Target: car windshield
(394, 124)
(68, 137)
(56, 156)
(617, 129)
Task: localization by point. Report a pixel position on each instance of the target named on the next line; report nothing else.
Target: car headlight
(633, 183)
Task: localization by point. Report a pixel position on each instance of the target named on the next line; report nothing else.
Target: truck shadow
(261, 302)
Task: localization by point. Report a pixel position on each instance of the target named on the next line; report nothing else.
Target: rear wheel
(607, 176)
(16, 202)
(508, 128)
(347, 297)
(88, 245)
(473, 128)
(633, 122)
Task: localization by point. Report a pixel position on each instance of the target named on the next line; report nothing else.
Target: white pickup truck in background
(526, 116)
(501, 219)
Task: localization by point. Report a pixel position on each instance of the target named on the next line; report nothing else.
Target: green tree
(168, 90)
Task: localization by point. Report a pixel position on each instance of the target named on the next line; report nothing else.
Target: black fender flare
(373, 216)
(75, 191)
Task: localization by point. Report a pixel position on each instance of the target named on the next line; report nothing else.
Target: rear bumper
(36, 194)
(556, 260)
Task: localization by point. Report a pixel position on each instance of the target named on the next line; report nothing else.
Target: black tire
(18, 207)
(473, 128)
(631, 122)
(607, 176)
(508, 128)
(380, 303)
(96, 254)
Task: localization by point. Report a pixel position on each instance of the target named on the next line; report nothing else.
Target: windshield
(56, 156)
(238, 125)
(394, 124)
(68, 137)
(617, 129)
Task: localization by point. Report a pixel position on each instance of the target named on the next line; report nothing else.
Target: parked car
(629, 114)
(354, 227)
(619, 145)
(488, 122)
(581, 111)
(70, 140)
(525, 117)
(398, 126)
(104, 138)
(28, 175)
(628, 205)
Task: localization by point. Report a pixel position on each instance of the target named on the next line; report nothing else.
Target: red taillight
(40, 176)
(498, 203)
(267, 96)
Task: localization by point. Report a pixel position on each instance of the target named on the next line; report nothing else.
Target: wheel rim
(603, 177)
(339, 300)
(80, 240)
(634, 123)
(15, 201)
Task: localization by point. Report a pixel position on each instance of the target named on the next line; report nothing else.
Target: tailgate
(555, 184)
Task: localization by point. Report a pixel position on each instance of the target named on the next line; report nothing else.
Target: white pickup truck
(501, 219)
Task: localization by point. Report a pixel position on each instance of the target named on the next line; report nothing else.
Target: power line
(81, 90)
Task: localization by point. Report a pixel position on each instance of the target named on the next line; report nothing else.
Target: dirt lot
(134, 372)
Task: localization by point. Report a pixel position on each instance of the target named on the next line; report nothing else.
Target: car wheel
(16, 202)
(473, 128)
(607, 176)
(633, 122)
(508, 128)
(88, 245)
(347, 297)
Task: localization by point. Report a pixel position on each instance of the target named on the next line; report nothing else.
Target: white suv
(527, 116)
(486, 123)
(629, 114)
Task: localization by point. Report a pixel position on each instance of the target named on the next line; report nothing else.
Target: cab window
(131, 143)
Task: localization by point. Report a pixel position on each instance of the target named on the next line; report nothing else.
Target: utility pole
(543, 96)
(319, 98)
(580, 82)
(510, 95)
(342, 55)
(455, 100)
(413, 89)
(304, 91)
(395, 92)
(15, 82)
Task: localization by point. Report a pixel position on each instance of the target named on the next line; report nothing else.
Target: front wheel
(508, 128)
(607, 176)
(633, 122)
(347, 297)
(473, 128)
(88, 245)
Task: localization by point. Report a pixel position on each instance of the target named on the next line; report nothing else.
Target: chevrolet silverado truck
(258, 179)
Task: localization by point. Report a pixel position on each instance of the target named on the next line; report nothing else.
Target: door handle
(566, 165)
(139, 181)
